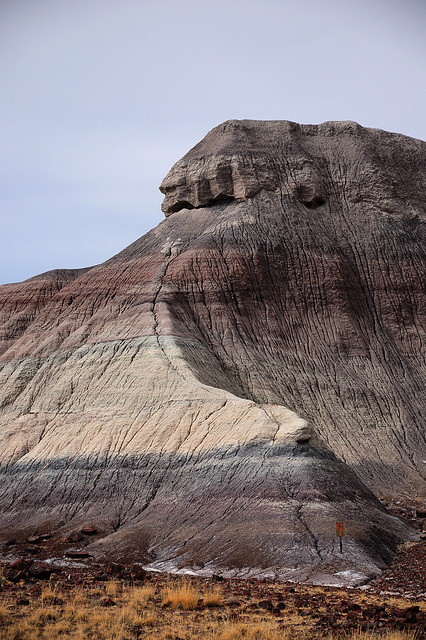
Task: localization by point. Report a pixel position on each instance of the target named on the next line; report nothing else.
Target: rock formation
(220, 393)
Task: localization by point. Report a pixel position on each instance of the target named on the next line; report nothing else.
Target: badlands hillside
(250, 372)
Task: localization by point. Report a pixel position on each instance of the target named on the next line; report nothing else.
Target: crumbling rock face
(300, 163)
(229, 386)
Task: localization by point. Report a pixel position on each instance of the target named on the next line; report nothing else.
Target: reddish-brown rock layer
(21, 303)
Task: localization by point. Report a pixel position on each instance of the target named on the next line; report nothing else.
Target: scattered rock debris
(301, 608)
(407, 575)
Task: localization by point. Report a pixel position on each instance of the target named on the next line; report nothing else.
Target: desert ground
(124, 603)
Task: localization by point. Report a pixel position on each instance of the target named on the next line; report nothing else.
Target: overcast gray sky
(98, 98)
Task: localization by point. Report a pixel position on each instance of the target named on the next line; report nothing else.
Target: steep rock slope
(226, 388)
(21, 303)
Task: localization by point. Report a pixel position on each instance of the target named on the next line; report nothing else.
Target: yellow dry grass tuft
(183, 596)
(140, 596)
(49, 594)
(112, 588)
(213, 597)
(4, 614)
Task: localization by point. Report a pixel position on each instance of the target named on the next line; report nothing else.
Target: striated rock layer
(221, 392)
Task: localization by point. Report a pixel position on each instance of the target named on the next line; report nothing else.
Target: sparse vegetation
(140, 596)
(183, 596)
(213, 597)
(4, 615)
(170, 608)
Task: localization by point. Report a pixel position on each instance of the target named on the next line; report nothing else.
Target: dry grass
(235, 631)
(112, 588)
(49, 594)
(4, 615)
(266, 631)
(140, 596)
(167, 610)
(388, 635)
(183, 596)
(213, 597)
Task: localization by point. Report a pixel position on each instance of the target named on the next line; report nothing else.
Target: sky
(99, 98)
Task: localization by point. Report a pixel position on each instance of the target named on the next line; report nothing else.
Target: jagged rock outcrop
(252, 370)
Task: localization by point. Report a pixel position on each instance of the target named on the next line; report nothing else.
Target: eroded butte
(220, 393)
